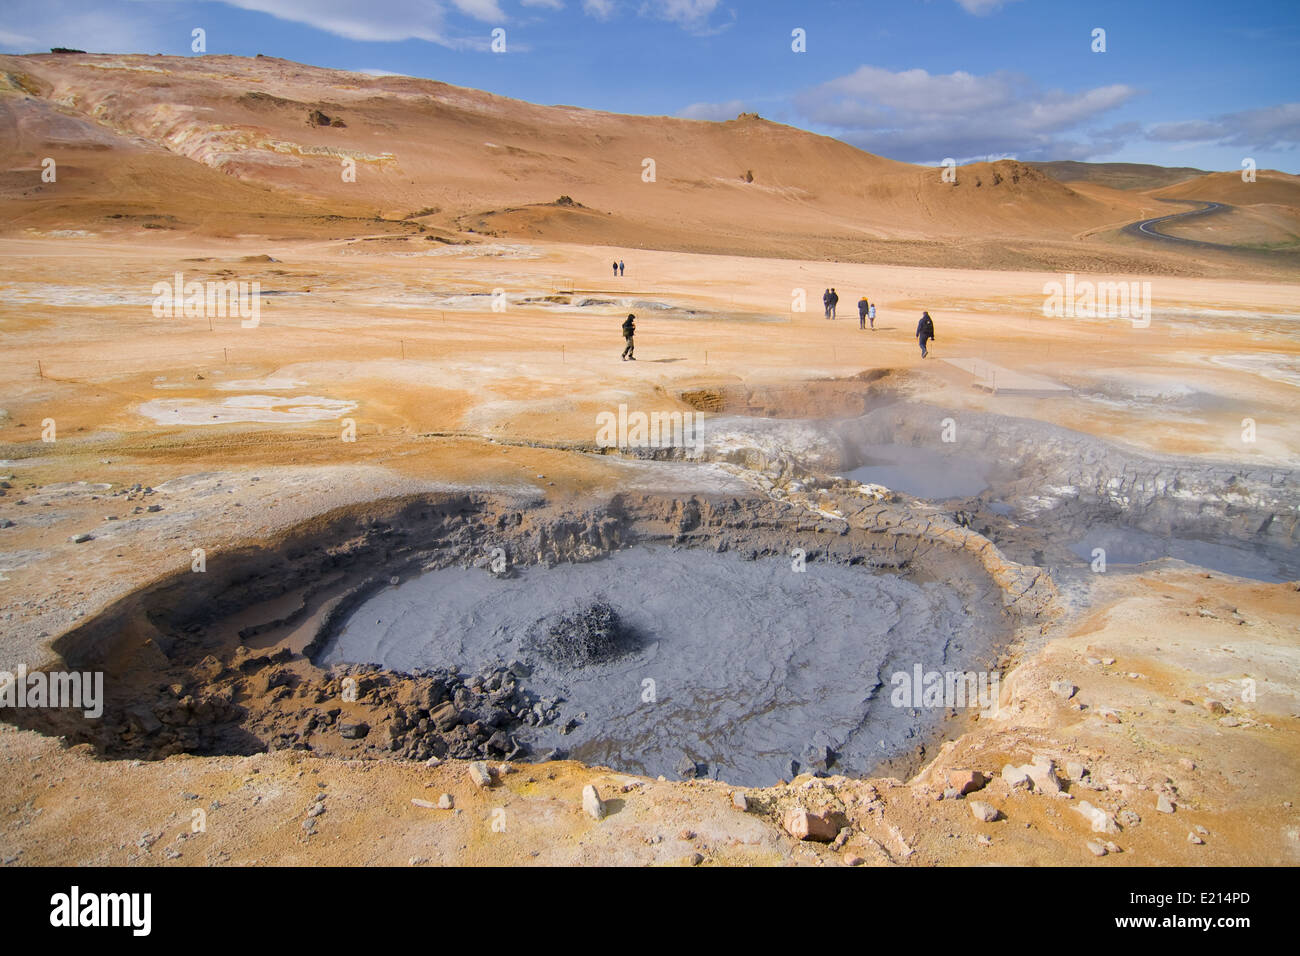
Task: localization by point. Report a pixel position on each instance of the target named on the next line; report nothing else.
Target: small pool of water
(1130, 546)
(921, 472)
(743, 665)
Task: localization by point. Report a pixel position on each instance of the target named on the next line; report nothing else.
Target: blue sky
(1181, 82)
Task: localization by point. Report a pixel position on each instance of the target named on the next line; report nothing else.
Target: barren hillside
(138, 138)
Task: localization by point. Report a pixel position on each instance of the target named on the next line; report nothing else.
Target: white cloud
(549, 4)
(486, 10)
(688, 12)
(1269, 127)
(376, 20)
(982, 8)
(924, 117)
(600, 9)
(691, 15)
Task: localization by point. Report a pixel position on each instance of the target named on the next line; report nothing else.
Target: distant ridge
(1118, 175)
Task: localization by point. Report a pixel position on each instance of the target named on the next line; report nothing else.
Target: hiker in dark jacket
(863, 306)
(826, 302)
(924, 331)
(616, 268)
(835, 300)
(629, 330)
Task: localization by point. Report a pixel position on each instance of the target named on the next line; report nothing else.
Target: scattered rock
(1039, 775)
(479, 773)
(1095, 848)
(802, 825)
(1193, 838)
(446, 802)
(1016, 778)
(966, 781)
(984, 812)
(354, 731)
(1063, 689)
(592, 804)
(1164, 804)
(1099, 819)
(1042, 771)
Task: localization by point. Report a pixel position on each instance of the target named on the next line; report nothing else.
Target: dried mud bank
(222, 662)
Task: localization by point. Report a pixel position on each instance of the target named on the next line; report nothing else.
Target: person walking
(925, 332)
(826, 302)
(615, 268)
(629, 330)
(835, 300)
(863, 306)
(871, 316)
(620, 268)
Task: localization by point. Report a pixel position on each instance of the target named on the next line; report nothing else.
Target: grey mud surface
(753, 665)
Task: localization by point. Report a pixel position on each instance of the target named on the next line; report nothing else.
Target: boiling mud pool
(1128, 546)
(921, 472)
(742, 664)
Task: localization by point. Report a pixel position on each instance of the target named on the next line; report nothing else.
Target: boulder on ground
(804, 825)
(1016, 778)
(1099, 819)
(592, 804)
(966, 781)
(1064, 689)
(480, 774)
(354, 731)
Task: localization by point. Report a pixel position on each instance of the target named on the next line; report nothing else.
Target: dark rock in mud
(688, 769)
(593, 635)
